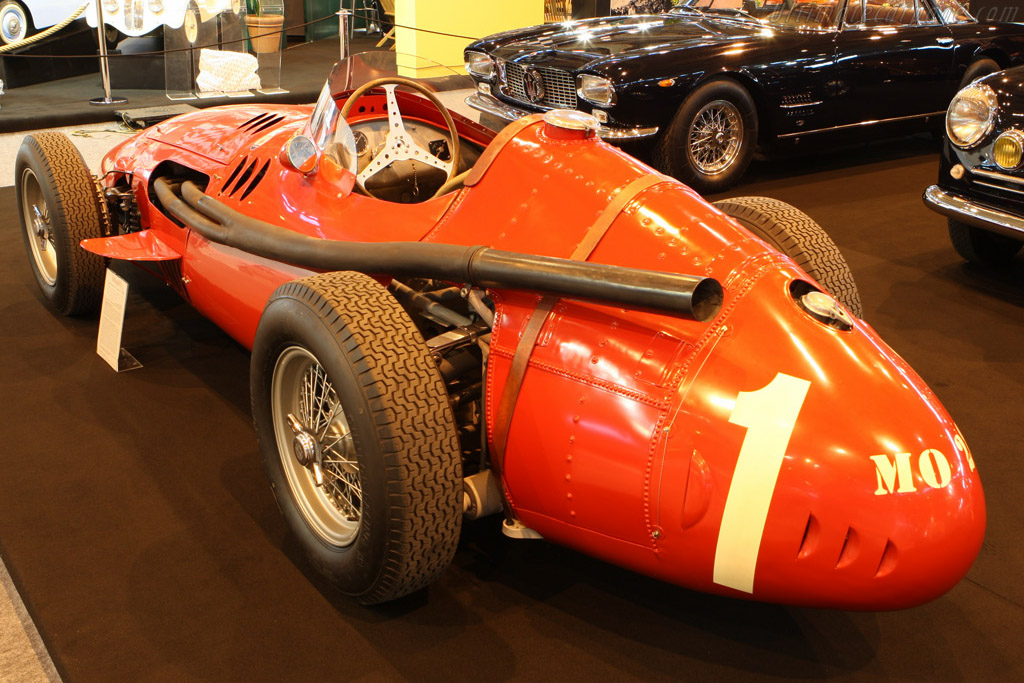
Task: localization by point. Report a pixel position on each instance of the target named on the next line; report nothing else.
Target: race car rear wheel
(982, 247)
(799, 237)
(59, 207)
(711, 140)
(357, 435)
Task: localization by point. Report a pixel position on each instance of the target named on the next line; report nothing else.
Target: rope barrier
(156, 53)
(45, 34)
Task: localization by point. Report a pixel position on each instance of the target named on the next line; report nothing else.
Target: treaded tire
(982, 247)
(403, 432)
(50, 174)
(978, 69)
(799, 237)
(670, 150)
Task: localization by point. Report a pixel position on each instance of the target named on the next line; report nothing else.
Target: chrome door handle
(944, 40)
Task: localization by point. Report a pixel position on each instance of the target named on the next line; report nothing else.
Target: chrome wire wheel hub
(315, 446)
(37, 224)
(715, 137)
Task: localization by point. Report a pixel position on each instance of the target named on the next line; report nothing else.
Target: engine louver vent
(256, 180)
(258, 124)
(255, 121)
(234, 174)
(243, 178)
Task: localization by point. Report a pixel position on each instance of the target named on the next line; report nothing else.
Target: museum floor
(137, 523)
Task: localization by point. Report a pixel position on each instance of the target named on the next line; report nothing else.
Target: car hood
(589, 43)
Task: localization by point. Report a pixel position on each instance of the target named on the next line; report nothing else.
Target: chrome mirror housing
(300, 154)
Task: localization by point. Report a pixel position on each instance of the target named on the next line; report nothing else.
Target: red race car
(447, 323)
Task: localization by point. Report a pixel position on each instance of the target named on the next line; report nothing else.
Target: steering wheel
(399, 144)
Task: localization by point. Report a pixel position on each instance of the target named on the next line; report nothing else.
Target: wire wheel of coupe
(310, 425)
(715, 137)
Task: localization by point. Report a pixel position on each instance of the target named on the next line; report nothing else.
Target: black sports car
(713, 79)
(981, 177)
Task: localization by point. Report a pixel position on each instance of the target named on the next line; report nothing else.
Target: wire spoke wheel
(315, 445)
(37, 225)
(357, 435)
(715, 137)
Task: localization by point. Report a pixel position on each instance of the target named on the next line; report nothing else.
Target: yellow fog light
(1009, 150)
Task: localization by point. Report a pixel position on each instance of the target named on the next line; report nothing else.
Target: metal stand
(345, 32)
(104, 67)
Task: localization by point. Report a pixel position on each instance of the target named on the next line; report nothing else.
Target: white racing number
(769, 414)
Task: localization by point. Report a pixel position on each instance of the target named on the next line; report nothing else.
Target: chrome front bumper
(971, 213)
(489, 104)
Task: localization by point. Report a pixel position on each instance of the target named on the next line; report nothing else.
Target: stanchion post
(101, 39)
(345, 31)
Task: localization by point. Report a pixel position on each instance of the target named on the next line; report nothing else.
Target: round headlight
(479, 64)
(971, 115)
(1009, 150)
(596, 90)
(156, 6)
(110, 6)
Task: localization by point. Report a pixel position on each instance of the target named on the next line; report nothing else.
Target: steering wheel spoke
(399, 145)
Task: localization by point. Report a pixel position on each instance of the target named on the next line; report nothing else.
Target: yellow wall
(419, 51)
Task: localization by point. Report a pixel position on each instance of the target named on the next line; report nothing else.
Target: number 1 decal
(769, 414)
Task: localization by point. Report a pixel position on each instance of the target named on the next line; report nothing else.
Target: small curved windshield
(330, 133)
(780, 13)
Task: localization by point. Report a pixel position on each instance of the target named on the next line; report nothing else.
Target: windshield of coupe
(784, 13)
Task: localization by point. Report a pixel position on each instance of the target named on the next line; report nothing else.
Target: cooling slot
(810, 538)
(234, 174)
(851, 548)
(244, 178)
(255, 121)
(268, 123)
(888, 561)
(256, 180)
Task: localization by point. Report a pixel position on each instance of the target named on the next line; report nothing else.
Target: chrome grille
(559, 86)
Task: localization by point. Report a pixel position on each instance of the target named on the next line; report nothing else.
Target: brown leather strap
(497, 144)
(521, 357)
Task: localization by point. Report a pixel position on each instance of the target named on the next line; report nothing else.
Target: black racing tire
(15, 22)
(59, 205)
(978, 69)
(981, 246)
(798, 236)
(703, 162)
(395, 529)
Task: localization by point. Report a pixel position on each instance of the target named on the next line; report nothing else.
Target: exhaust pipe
(697, 298)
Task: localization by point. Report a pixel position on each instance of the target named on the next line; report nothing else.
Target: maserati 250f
(447, 323)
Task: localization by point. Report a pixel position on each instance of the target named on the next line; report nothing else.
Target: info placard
(108, 340)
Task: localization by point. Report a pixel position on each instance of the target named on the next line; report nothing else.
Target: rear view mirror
(300, 154)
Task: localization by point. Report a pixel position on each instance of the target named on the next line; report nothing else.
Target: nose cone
(838, 478)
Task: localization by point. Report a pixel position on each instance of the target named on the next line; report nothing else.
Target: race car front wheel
(357, 435)
(60, 206)
(798, 236)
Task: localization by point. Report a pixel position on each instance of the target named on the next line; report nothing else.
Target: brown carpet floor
(136, 521)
